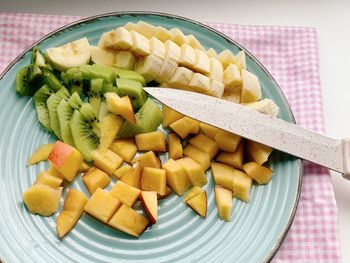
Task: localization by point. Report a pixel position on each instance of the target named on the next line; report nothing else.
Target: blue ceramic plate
(254, 235)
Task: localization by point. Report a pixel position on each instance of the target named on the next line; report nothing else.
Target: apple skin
(60, 153)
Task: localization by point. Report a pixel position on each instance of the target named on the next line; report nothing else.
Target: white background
(330, 18)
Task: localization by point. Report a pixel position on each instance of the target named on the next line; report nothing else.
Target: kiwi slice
(109, 87)
(39, 59)
(65, 113)
(97, 71)
(40, 98)
(148, 118)
(23, 81)
(94, 94)
(75, 101)
(85, 130)
(52, 104)
(133, 89)
(51, 80)
(73, 78)
(129, 74)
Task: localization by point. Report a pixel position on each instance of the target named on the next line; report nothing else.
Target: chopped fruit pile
(92, 99)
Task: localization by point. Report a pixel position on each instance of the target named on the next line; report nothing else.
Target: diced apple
(182, 127)
(234, 159)
(122, 170)
(227, 141)
(195, 190)
(261, 174)
(209, 130)
(40, 154)
(125, 193)
(95, 178)
(125, 148)
(205, 144)
(251, 90)
(121, 106)
(102, 205)
(199, 204)
(168, 192)
(66, 159)
(232, 77)
(141, 45)
(148, 159)
(42, 199)
(223, 199)
(124, 59)
(258, 152)
(150, 204)
(176, 177)
(129, 221)
(45, 178)
(175, 146)
(133, 176)
(170, 116)
(178, 36)
(194, 171)
(110, 126)
(153, 179)
(73, 208)
(107, 161)
(242, 184)
(200, 157)
(223, 175)
(151, 141)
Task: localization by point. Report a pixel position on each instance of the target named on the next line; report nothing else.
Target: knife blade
(253, 125)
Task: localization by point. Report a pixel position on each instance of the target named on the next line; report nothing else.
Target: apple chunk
(95, 178)
(199, 203)
(73, 208)
(223, 199)
(42, 199)
(151, 141)
(129, 221)
(150, 204)
(261, 174)
(176, 177)
(40, 154)
(121, 106)
(153, 179)
(127, 194)
(66, 159)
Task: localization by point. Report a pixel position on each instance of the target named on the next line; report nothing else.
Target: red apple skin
(59, 153)
(148, 212)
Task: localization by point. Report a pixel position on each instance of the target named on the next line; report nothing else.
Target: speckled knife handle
(346, 158)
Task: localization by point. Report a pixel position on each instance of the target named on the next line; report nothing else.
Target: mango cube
(73, 208)
(66, 160)
(258, 152)
(175, 146)
(102, 205)
(195, 190)
(193, 170)
(205, 144)
(40, 154)
(170, 116)
(223, 175)
(153, 179)
(151, 141)
(182, 127)
(95, 178)
(121, 106)
(110, 125)
(176, 177)
(209, 130)
(125, 148)
(223, 199)
(200, 157)
(199, 204)
(45, 178)
(148, 159)
(122, 170)
(106, 161)
(132, 176)
(129, 221)
(227, 141)
(194, 125)
(125, 193)
(261, 174)
(234, 159)
(242, 183)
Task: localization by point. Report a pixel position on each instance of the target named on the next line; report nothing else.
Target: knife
(253, 125)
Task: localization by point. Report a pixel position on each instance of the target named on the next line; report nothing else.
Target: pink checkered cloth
(291, 55)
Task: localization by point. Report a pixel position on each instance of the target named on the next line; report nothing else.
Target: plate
(255, 233)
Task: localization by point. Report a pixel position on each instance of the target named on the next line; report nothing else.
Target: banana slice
(233, 95)
(73, 54)
(167, 70)
(199, 83)
(181, 78)
(124, 59)
(240, 60)
(251, 90)
(193, 42)
(157, 48)
(162, 34)
(146, 29)
(216, 89)
(226, 58)
(118, 39)
(187, 57)
(172, 51)
(265, 106)
(149, 67)
(232, 77)
(177, 36)
(202, 64)
(216, 70)
(102, 56)
(131, 26)
(141, 45)
(211, 53)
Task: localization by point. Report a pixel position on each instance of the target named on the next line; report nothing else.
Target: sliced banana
(162, 34)
(102, 56)
(141, 45)
(216, 89)
(233, 95)
(146, 29)
(124, 59)
(181, 78)
(131, 26)
(199, 83)
(232, 77)
(172, 51)
(187, 57)
(73, 54)
(202, 64)
(211, 53)
(149, 67)
(216, 70)
(251, 90)
(193, 42)
(265, 106)
(226, 58)
(118, 39)
(178, 36)
(157, 48)
(167, 70)
(240, 60)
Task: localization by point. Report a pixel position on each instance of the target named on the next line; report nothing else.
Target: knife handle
(346, 157)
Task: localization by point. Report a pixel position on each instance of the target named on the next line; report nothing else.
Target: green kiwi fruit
(148, 118)
(85, 130)
(75, 101)
(39, 59)
(51, 80)
(52, 104)
(23, 81)
(133, 89)
(73, 79)
(94, 94)
(40, 98)
(65, 113)
(96, 71)
(129, 74)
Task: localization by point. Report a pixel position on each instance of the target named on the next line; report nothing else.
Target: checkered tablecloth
(291, 55)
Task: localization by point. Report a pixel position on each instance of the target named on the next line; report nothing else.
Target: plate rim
(279, 241)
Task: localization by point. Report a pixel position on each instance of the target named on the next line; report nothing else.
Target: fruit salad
(108, 131)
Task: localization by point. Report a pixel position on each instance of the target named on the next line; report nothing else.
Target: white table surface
(330, 18)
